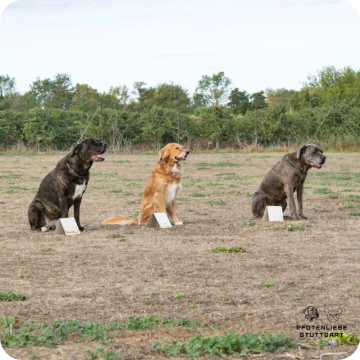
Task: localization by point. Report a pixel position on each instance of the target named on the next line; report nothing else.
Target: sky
(259, 44)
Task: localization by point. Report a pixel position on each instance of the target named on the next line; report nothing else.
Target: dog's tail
(120, 221)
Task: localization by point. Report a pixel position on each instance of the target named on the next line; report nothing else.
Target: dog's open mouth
(317, 166)
(179, 158)
(98, 157)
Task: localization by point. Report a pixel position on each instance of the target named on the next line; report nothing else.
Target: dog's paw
(179, 223)
(44, 229)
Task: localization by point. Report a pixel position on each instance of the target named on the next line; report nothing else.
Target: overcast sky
(257, 43)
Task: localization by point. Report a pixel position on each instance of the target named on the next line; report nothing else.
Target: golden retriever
(160, 189)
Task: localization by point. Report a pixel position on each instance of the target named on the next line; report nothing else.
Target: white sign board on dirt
(273, 213)
(67, 226)
(159, 219)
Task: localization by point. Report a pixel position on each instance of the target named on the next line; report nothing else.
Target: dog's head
(312, 155)
(173, 153)
(89, 150)
(311, 313)
(334, 313)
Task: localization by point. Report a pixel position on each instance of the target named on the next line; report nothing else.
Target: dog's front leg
(290, 196)
(77, 203)
(64, 207)
(300, 193)
(174, 214)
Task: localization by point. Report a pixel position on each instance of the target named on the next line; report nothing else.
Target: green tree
(239, 101)
(56, 93)
(217, 124)
(85, 98)
(258, 101)
(279, 97)
(212, 91)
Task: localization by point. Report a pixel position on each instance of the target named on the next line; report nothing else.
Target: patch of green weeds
(122, 161)
(228, 344)
(322, 191)
(350, 190)
(10, 176)
(10, 296)
(235, 249)
(198, 195)
(47, 250)
(269, 285)
(350, 339)
(128, 193)
(293, 227)
(179, 296)
(217, 202)
(181, 199)
(354, 213)
(115, 191)
(102, 354)
(344, 177)
(251, 222)
(45, 334)
(115, 236)
(353, 198)
(131, 202)
(333, 196)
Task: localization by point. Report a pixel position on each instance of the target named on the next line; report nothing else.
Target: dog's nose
(187, 152)
(105, 144)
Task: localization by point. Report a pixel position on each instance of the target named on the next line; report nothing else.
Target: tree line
(56, 113)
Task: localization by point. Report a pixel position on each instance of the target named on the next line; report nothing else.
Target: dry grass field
(112, 273)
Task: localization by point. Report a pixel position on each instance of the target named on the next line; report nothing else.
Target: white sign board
(273, 213)
(160, 219)
(67, 226)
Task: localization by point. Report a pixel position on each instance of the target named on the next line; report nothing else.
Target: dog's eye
(176, 148)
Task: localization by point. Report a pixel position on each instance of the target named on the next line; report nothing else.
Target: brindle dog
(286, 177)
(64, 186)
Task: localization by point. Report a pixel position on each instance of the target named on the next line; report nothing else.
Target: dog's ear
(164, 154)
(300, 150)
(76, 149)
(306, 311)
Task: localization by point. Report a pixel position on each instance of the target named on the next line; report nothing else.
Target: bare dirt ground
(96, 277)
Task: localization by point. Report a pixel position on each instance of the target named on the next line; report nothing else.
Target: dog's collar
(72, 171)
(287, 158)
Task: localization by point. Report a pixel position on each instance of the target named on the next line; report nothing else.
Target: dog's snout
(187, 152)
(323, 159)
(105, 145)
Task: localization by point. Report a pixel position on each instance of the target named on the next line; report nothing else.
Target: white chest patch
(171, 192)
(175, 169)
(79, 190)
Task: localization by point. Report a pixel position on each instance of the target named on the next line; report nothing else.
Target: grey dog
(286, 177)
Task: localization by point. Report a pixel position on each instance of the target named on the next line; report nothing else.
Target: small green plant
(47, 250)
(122, 161)
(356, 213)
(198, 195)
(115, 191)
(235, 249)
(228, 344)
(269, 285)
(62, 294)
(322, 191)
(192, 305)
(115, 236)
(128, 193)
(293, 227)
(103, 354)
(217, 202)
(10, 296)
(350, 339)
(179, 296)
(251, 222)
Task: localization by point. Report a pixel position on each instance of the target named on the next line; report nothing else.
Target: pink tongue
(98, 156)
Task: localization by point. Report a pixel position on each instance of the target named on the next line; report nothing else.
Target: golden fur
(160, 189)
